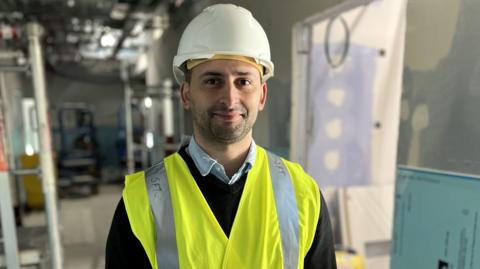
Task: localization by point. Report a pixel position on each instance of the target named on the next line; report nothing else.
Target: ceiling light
(138, 28)
(149, 140)
(29, 150)
(148, 102)
(107, 40)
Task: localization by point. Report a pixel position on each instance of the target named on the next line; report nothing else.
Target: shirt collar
(205, 163)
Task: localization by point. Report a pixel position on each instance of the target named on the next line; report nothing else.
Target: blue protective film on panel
(341, 99)
(436, 221)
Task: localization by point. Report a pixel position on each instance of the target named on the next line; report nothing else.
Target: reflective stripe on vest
(161, 206)
(162, 210)
(287, 210)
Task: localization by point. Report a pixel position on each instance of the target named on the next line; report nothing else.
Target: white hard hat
(223, 29)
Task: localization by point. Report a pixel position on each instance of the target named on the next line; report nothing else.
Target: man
(222, 201)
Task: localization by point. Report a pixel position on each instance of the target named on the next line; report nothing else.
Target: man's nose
(231, 94)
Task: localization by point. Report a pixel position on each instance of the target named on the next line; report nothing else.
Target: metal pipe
(129, 130)
(8, 223)
(9, 127)
(34, 31)
(6, 213)
(11, 54)
(152, 117)
(167, 105)
(26, 172)
(130, 162)
(13, 68)
(7, 118)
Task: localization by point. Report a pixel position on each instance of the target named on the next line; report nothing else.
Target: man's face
(225, 97)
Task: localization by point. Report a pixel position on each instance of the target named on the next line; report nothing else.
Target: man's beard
(220, 132)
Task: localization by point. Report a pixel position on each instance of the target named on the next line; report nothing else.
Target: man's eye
(244, 82)
(212, 81)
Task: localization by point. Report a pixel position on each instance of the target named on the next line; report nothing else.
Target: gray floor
(85, 223)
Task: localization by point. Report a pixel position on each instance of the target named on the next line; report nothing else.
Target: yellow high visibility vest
(255, 239)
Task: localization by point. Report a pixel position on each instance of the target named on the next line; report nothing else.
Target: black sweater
(123, 249)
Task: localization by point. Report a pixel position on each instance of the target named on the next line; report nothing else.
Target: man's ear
(185, 94)
(263, 97)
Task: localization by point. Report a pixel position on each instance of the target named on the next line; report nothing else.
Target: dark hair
(188, 75)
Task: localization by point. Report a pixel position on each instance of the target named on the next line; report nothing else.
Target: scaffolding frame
(36, 63)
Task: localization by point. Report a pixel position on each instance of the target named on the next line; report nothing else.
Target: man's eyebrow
(220, 74)
(243, 73)
(211, 73)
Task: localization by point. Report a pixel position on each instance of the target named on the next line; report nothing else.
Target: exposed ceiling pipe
(128, 27)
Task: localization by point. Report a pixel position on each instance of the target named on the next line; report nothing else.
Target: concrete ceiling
(78, 32)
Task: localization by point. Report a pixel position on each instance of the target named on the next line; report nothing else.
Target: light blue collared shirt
(206, 164)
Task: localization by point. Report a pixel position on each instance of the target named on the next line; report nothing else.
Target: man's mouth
(228, 115)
